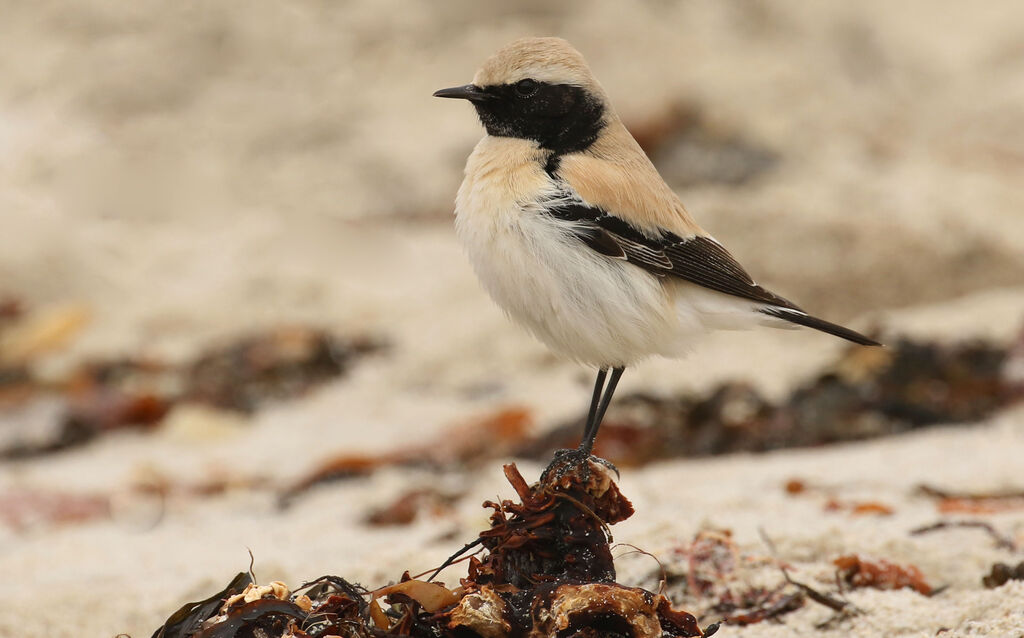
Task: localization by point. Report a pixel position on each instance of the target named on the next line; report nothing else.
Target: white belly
(582, 304)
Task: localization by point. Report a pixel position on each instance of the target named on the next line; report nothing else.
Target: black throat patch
(560, 117)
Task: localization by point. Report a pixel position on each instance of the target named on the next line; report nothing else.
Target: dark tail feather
(804, 319)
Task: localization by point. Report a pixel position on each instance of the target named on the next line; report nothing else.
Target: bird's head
(538, 89)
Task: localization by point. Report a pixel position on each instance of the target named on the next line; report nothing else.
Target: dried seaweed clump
(549, 568)
(548, 572)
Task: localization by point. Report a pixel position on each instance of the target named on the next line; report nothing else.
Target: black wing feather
(704, 261)
(699, 260)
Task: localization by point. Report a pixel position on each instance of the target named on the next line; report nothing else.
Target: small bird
(576, 236)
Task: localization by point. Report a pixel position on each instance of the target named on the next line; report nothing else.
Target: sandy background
(188, 172)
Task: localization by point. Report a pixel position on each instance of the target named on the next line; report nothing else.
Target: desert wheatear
(573, 232)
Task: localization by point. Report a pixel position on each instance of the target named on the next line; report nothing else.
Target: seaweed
(1001, 573)
(547, 571)
(188, 619)
(881, 574)
(241, 376)
(957, 502)
(865, 394)
(410, 505)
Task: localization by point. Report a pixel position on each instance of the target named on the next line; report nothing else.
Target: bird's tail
(801, 318)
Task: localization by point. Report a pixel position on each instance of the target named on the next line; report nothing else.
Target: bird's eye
(526, 88)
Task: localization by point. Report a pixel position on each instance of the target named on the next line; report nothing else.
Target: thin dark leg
(591, 435)
(594, 401)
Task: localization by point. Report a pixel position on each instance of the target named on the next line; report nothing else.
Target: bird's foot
(573, 461)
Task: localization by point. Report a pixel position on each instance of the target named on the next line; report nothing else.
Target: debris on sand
(468, 444)
(867, 393)
(188, 620)
(1001, 573)
(411, 505)
(25, 336)
(278, 364)
(21, 509)
(959, 502)
(720, 580)
(880, 574)
(859, 508)
(102, 396)
(743, 589)
(1001, 541)
(798, 487)
(548, 571)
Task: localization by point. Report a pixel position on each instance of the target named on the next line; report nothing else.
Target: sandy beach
(172, 178)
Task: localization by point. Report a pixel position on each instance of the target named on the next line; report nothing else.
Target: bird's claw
(577, 460)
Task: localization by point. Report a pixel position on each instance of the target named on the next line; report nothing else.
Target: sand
(190, 174)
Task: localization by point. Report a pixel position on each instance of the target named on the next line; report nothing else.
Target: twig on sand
(843, 608)
(1001, 541)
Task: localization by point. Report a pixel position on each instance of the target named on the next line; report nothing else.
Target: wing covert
(698, 259)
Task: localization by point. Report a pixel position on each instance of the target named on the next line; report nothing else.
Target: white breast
(582, 304)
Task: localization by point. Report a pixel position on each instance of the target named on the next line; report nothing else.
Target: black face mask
(560, 117)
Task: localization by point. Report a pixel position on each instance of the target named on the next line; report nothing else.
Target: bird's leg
(591, 433)
(588, 427)
(594, 402)
(566, 460)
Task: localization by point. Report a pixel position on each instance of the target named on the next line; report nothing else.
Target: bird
(575, 235)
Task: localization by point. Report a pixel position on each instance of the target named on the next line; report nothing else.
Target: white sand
(125, 574)
(187, 174)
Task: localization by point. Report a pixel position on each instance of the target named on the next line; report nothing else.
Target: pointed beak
(470, 92)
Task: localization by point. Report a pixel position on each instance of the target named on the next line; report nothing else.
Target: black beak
(470, 92)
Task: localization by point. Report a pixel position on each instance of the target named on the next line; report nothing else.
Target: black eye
(526, 88)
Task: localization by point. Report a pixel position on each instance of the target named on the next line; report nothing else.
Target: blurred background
(175, 177)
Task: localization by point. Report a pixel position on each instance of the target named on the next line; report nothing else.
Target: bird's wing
(697, 259)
